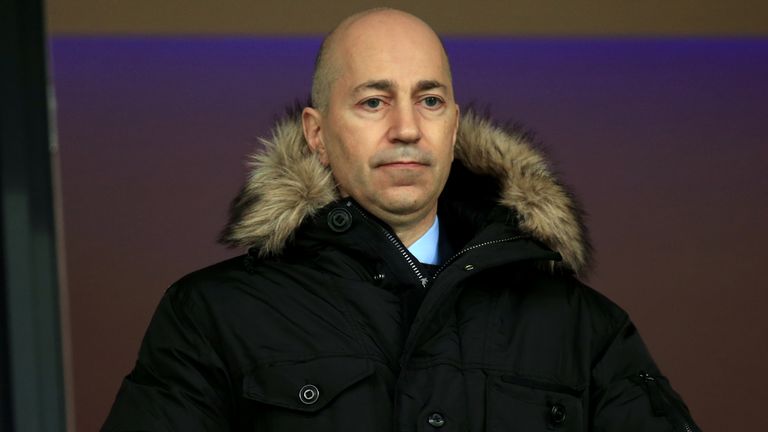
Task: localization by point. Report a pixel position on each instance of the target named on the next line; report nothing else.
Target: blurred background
(653, 112)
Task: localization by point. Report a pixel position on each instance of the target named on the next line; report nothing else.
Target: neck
(408, 233)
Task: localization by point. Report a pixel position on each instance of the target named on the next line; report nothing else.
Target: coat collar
(287, 184)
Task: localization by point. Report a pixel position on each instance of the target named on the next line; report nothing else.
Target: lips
(402, 164)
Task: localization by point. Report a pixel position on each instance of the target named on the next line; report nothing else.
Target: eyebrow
(425, 85)
(387, 85)
(381, 85)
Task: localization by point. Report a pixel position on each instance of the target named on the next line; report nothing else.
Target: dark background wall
(661, 137)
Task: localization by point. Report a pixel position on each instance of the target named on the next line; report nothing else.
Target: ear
(311, 123)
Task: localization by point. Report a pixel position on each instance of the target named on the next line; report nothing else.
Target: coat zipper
(398, 245)
(409, 258)
(450, 260)
(660, 400)
(408, 348)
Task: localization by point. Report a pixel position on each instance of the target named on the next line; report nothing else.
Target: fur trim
(287, 184)
(547, 210)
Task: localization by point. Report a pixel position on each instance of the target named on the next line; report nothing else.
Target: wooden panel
(481, 17)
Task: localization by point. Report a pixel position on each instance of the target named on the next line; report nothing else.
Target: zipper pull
(654, 393)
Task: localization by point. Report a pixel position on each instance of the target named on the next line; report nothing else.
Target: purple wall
(664, 141)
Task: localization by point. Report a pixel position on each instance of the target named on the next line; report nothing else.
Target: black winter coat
(336, 327)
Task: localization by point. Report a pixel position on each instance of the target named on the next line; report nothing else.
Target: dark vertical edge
(33, 396)
(6, 420)
(8, 38)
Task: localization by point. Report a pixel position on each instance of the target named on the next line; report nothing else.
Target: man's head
(385, 118)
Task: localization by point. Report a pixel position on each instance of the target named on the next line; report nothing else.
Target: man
(388, 287)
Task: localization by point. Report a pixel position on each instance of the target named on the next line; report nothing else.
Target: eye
(372, 103)
(432, 102)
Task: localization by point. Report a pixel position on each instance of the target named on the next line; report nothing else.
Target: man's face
(390, 127)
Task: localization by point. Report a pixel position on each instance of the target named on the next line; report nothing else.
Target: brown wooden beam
(480, 17)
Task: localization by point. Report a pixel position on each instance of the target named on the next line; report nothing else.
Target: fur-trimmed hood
(288, 183)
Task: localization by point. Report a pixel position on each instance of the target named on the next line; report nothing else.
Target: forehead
(402, 51)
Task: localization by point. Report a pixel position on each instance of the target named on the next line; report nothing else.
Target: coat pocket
(306, 386)
(516, 404)
(323, 394)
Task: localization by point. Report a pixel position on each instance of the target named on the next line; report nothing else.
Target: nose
(404, 128)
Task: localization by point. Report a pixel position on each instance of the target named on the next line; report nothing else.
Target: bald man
(408, 269)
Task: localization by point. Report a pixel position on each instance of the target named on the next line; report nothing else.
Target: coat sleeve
(629, 394)
(179, 383)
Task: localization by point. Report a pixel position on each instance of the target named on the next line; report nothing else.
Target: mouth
(402, 164)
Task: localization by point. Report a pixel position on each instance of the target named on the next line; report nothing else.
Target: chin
(404, 205)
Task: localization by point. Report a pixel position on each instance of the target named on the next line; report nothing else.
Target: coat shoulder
(566, 299)
(574, 292)
(231, 277)
(224, 291)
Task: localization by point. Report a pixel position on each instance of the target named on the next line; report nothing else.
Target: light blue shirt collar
(425, 248)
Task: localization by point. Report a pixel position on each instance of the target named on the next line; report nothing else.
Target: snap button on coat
(557, 414)
(436, 420)
(309, 394)
(339, 220)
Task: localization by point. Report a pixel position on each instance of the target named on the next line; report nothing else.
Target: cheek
(352, 149)
(346, 162)
(447, 144)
